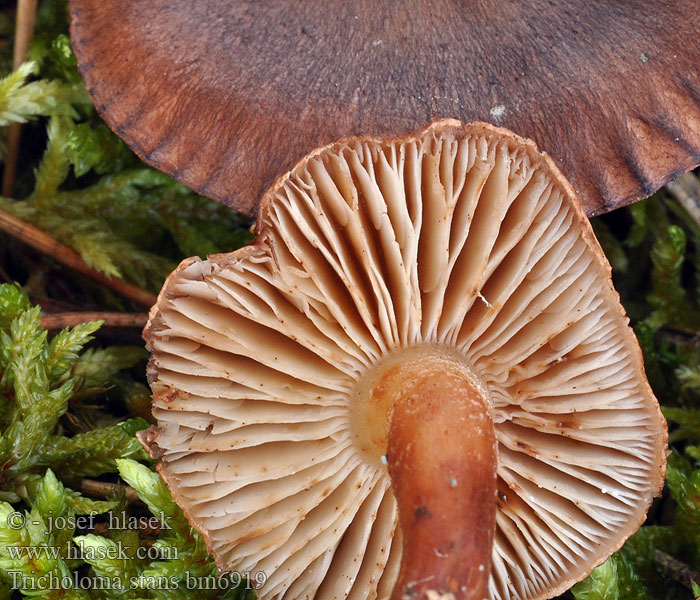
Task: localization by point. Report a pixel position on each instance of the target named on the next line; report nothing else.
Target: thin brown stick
(675, 569)
(686, 189)
(3, 274)
(44, 243)
(680, 336)
(24, 29)
(8, 176)
(51, 305)
(101, 489)
(111, 319)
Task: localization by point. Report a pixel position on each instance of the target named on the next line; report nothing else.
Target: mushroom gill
(459, 246)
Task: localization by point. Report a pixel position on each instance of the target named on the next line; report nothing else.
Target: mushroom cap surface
(459, 238)
(204, 89)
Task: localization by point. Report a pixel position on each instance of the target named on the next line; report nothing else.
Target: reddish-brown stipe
(442, 460)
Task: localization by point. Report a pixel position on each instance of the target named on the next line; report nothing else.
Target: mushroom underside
(458, 239)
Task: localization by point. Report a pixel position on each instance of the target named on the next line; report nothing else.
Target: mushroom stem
(442, 461)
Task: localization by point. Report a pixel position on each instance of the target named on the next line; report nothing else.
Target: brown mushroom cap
(462, 243)
(227, 96)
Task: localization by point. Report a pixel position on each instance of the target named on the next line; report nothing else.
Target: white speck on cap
(497, 112)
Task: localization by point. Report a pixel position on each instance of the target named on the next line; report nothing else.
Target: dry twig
(101, 489)
(675, 569)
(44, 243)
(111, 319)
(686, 189)
(24, 29)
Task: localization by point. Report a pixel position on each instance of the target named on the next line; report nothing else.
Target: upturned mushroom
(609, 89)
(417, 383)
